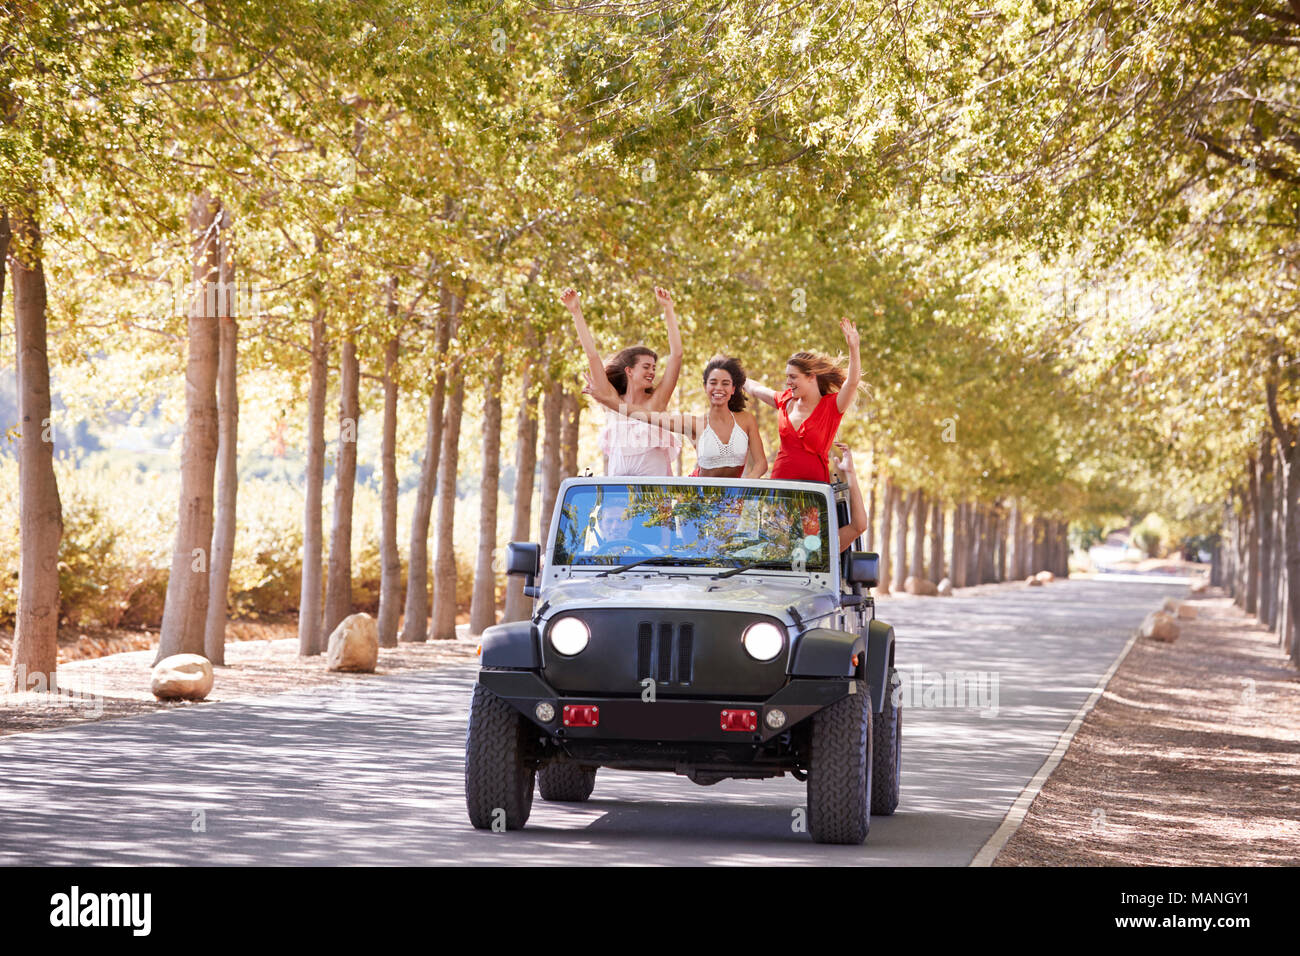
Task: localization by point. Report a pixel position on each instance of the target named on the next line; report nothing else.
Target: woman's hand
(848, 391)
(665, 299)
(850, 333)
(845, 464)
(569, 297)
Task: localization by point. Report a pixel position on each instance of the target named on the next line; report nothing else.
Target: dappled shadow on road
(377, 778)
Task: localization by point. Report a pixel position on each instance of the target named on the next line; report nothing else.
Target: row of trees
(1073, 289)
(1257, 558)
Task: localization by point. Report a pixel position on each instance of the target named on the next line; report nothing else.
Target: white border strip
(1016, 815)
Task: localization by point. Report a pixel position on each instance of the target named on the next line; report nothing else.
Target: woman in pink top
(628, 381)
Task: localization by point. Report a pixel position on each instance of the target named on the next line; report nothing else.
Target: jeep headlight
(569, 635)
(763, 641)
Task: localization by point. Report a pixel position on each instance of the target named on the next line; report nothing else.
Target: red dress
(805, 451)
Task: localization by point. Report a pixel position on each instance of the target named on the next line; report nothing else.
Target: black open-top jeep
(705, 626)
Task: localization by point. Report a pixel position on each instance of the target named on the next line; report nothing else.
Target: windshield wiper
(742, 568)
(653, 559)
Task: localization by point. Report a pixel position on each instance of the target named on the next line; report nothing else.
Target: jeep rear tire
(886, 752)
(498, 777)
(839, 771)
(566, 782)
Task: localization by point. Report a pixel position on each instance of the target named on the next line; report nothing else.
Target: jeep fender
(516, 644)
(880, 655)
(825, 652)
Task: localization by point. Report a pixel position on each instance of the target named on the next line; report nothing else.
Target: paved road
(377, 778)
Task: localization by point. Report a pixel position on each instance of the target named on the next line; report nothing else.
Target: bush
(119, 525)
(1148, 535)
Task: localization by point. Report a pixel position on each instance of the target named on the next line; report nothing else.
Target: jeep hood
(742, 593)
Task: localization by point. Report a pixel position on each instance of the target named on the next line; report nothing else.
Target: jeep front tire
(839, 771)
(498, 777)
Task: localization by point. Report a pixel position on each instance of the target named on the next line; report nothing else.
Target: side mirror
(864, 568)
(524, 557)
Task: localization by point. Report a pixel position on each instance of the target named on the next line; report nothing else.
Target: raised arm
(857, 509)
(760, 392)
(849, 390)
(683, 424)
(673, 364)
(597, 379)
(756, 465)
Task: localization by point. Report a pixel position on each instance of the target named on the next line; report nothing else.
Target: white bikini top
(713, 453)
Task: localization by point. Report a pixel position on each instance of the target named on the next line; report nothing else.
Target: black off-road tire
(839, 771)
(886, 752)
(566, 782)
(498, 776)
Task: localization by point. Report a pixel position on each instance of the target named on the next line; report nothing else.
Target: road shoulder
(1190, 757)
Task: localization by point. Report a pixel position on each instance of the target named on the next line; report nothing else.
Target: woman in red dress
(817, 394)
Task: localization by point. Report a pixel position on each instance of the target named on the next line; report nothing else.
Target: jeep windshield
(781, 529)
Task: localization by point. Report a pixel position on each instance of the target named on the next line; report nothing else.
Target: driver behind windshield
(616, 520)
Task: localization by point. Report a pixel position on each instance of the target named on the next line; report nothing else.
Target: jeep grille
(665, 656)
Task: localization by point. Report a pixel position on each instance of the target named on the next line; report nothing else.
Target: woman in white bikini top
(741, 455)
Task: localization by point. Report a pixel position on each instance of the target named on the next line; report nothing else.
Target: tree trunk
(1264, 479)
(36, 627)
(903, 506)
(338, 585)
(552, 407)
(979, 560)
(886, 534)
(998, 546)
(1243, 542)
(444, 560)
(936, 541)
(918, 535)
(5, 234)
(415, 620)
(959, 545)
(1014, 544)
(1288, 438)
(571, 413)
(1292, 480)
(390, 574)
(309, 603)
(185, 610)
(1065, 549)
(483, 608)
(1230, 546)
(223, 531)
(1252, 540)
(518, 607)
(1279, 541)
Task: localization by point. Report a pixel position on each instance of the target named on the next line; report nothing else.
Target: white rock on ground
(945, 588)
(182, 677)
(1187, 611)
(1160, 626)
(1033, 581)
(1046, 577)
(354, 645)
(1171, 605)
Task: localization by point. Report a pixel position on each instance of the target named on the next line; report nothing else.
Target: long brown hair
(829, 375)
(616, 368)
(733, 368)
